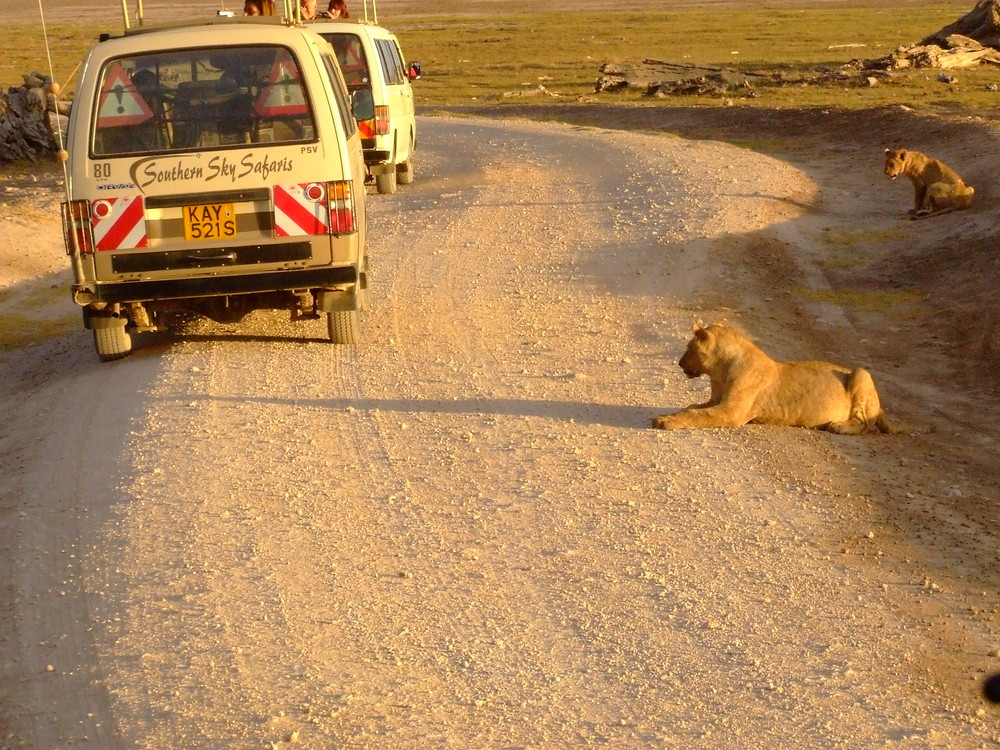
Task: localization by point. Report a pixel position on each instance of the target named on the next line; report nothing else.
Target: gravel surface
(462, 533)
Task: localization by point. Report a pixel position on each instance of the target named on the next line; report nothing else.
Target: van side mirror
(362, 104)
(414, 71)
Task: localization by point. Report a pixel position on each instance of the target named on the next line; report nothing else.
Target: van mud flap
(337, 300)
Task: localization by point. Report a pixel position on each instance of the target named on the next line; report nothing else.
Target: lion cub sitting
(750, 387)
(939, 190)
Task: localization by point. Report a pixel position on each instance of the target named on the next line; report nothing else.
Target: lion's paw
(662, 422)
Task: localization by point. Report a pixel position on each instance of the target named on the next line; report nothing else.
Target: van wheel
(344, 326)
(404, 172)
(385, 183)
(112, 343)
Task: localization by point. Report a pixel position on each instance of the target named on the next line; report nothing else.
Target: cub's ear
(697, 325)
(702, 334)
(888, 151)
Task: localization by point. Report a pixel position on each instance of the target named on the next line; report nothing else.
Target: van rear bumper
(218, 286)
(374, 157)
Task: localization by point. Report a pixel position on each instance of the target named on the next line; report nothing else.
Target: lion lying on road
(939, 190)
(748, 386)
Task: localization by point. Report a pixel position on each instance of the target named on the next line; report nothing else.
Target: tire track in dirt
(463, 533)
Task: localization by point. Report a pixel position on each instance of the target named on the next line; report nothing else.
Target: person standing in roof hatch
(307, 8)
(258, 8)
(337, 9)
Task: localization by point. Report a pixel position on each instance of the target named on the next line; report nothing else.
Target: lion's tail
(884, 424)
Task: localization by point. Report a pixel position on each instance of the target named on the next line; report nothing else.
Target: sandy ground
(462, 533)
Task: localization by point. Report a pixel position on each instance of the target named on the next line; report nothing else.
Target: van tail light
(77, 227)
(381, 120)
(342, 209)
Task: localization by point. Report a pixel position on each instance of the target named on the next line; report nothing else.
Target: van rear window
(201, 99)
(351, 57)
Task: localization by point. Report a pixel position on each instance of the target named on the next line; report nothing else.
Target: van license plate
(210, 221)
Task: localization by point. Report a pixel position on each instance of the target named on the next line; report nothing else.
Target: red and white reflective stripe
(118, 223)
(301, 210)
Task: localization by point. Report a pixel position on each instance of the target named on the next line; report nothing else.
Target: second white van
(373, 64)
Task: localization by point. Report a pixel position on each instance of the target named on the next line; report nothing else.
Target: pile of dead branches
(25, 125)
(661, 78)
(972, 40)
(951, 51)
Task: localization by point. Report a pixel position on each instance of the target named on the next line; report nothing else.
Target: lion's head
(711, 348)
(700, 353)
(895, 163)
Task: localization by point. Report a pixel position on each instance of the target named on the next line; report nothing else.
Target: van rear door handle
(225, 259)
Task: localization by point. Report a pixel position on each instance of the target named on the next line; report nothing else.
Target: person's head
(338, 9)
(258, 8)
(308, 9)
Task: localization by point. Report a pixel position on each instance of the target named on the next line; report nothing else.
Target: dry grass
(486, 59)
(469, 58)
(35, 313)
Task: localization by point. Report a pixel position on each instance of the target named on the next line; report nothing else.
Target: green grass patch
(841, 247)
(867, 300)
(469, 58)
(476, 59)
(763, 145)
(843, 239)
(24, 50)
(33, 317)
(19, 331)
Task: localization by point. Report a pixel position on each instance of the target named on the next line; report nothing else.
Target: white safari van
(372, 61)
(214, 169)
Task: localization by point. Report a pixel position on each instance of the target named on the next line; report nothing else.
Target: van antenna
(52, 94)
(54, 90)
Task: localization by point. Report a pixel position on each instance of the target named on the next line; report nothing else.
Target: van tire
(112, 343)
(344, 327)
(404, 172)
(386, 183)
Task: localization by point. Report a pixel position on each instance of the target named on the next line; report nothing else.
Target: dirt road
(462, 533)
